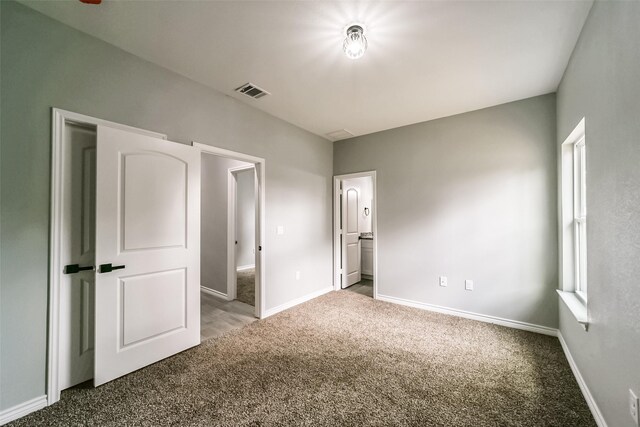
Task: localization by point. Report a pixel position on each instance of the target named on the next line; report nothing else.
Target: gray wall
(471, 196)
(246, 218)
(213, 232)
(602, 85)
(46, 64)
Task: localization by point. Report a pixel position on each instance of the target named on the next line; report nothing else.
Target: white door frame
(259, 164)
(59, 178)
(232, 218)
(338, 248)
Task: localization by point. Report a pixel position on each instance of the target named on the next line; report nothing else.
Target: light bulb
(355, 43)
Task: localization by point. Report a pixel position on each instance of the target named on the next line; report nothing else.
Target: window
(580, 218)
(573, 224)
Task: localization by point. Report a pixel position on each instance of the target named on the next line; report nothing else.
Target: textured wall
(602, 85)
(46, 64)
(471, 196)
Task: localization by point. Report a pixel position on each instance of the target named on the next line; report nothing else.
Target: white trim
(215, 293)
(22, 409)
(259, 164)
(81, 119)
(59, 118)
(297, 301)
(232, 219)
(231, 236)
(591, 402)
(515, 324)
(576, 306)
(245, 267)
(337, 249)
(221, 152)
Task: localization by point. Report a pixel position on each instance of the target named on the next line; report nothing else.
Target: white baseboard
(591, 402)
(215, 293)
(545, 330)
(292, 303)
(22, 409)
(245, 267)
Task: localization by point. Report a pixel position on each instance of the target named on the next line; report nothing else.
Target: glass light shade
(355, 44)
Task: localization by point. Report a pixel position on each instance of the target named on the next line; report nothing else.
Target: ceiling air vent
(252, 91)
(339, 134)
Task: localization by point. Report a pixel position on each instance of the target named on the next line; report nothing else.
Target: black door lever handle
(108, 268)
(75, 268)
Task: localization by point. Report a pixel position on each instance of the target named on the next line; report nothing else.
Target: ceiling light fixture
(355, 43)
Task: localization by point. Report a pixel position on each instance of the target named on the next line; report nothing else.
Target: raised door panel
(152, 306)
(151, 184)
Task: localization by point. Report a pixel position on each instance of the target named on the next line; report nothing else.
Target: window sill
(576, 306)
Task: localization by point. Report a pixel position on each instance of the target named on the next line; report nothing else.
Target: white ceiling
(425, 60)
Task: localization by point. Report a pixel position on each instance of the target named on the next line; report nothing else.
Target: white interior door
(351, 237)
(147, 251)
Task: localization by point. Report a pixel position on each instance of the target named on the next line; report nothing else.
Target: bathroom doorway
(355, 233)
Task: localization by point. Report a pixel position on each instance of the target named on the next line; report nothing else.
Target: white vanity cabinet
(366, 251)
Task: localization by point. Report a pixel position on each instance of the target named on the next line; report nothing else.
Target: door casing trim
(232, 217)
(259, 164)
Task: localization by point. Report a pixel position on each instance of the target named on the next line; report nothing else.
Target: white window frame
(573, 224)
(580, 219)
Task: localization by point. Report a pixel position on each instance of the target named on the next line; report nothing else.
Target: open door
(351, 237)
(147, 289)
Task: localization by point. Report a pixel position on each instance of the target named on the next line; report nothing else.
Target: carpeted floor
(245, 286)
(343, 359)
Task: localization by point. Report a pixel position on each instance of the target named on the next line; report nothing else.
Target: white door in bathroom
(351, 255)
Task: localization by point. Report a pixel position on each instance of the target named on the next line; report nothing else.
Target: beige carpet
(343, 359)
(245, 286)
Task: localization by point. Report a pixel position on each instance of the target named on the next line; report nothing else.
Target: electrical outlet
(443, 281)
(633, 406)
(297, 275)
(280, 230)
(468, 285)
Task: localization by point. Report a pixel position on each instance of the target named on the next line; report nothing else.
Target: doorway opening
(238, 199)
(355, 233)
(229, 244)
